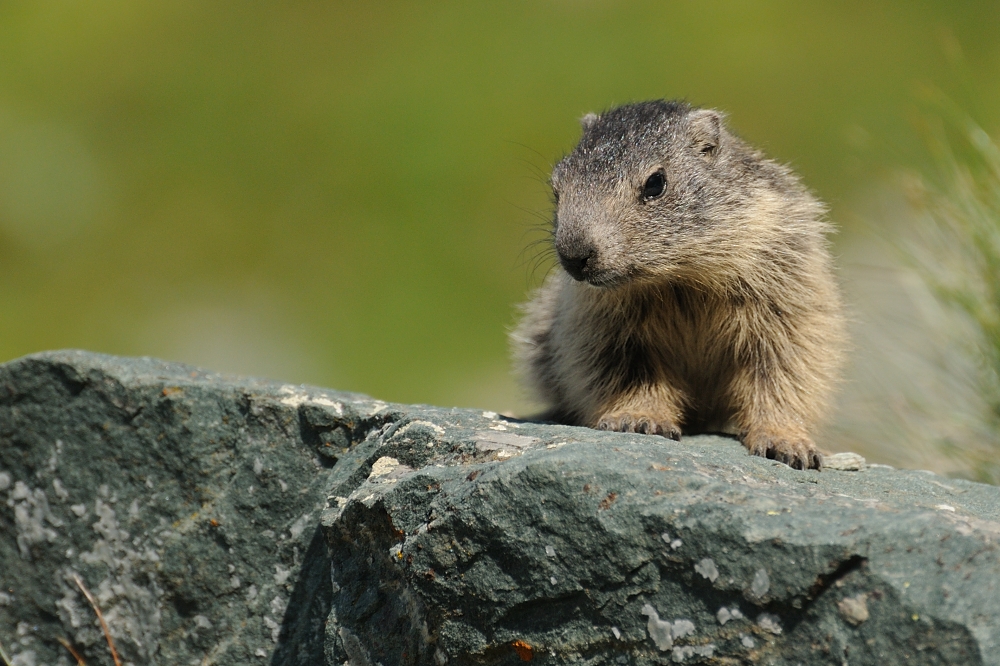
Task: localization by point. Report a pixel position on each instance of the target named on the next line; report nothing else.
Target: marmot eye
(655, 185)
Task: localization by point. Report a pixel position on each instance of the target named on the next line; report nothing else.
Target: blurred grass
(956, 249)
(340, 194)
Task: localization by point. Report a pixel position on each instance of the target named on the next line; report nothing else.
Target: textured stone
(225, 520)
(188, 502)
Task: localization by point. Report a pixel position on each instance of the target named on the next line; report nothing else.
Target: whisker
(527, 147)
(538, 175)
(538, 252)
(536, 256)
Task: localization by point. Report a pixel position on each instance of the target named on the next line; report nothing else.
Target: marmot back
(696, 290)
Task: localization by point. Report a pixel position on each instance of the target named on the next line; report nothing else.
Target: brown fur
(709, 307)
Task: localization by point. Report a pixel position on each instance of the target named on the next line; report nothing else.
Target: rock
(224, 520)
(845, 462)
(660, 632)
(854, 609)
(187, 501)
(706, 568)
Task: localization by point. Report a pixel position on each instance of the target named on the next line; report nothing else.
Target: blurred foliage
(341, 193)
(956, 249)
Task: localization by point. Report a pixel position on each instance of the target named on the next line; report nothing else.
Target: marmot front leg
(773, 415)
(655, 409)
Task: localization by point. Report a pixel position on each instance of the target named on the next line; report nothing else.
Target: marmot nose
(576, 265)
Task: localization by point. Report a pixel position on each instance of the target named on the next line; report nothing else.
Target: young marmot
(696, 291)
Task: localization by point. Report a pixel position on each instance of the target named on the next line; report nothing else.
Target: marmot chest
(684, 333)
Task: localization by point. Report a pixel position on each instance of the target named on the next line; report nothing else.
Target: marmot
(696, 290)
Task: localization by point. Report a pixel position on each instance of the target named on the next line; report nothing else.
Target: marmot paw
(645, 425)
(796, 451)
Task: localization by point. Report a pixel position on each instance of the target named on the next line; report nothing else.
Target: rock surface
(223, 520)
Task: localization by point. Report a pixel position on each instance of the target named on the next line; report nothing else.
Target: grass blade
(100, 616)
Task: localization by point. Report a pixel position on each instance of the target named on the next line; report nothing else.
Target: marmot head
(657, 190)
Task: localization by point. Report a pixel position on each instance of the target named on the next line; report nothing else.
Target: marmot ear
(588, 121)
(706, 131)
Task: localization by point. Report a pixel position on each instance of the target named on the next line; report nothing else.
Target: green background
(342, 193)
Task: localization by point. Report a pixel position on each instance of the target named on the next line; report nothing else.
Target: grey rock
(707, 569)
(854, 609)
(224, 520)
(187, 501)
(845, 462)
(660, 632)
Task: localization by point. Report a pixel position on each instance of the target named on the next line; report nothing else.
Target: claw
(645, 425)
(795, 450)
